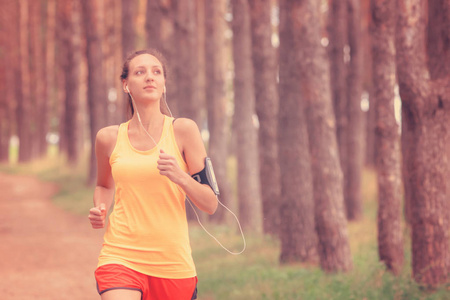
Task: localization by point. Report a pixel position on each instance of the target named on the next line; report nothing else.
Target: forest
(295, 100)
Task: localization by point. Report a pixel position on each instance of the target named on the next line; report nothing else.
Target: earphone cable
(182, 192)
(212, 236)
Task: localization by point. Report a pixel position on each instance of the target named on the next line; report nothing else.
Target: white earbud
(126, 88)
(164, 89)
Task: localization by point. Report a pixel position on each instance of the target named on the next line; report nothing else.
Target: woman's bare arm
(104, 189)
(191, 144)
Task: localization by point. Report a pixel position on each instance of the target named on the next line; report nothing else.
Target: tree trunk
(50, 63)
(297, 232)
(406, 141)
(331, 224)
(369, 115)
(390, 239)
(96, 93)
(438, 38)
(8, 82)
(428, 102)
(266, 98)
(129, 9)
(111, 62)
(354, 114)
(160, 25)
(249, 192)
(216, 57)
(338, 70)
(439, 60)
(201, 59)
(153, 23)
(185, 61)
(129, 38)
(37, 73)
(370, 129)
(70, 21)
(24, 105)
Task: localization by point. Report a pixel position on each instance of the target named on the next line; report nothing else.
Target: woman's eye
(139, 72)
(157, 72)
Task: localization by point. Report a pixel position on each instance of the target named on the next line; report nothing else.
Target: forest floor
(45, 252)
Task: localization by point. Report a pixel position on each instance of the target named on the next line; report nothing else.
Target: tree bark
(216, 56)
(438, 38)
(390, 239)
(37, 73)
(8, 80)
(129, 9)
(427, 101)
(24, 105)
(266, 97)
(329, 211)
(354, 113)
(111, 61)
(71, 43)
(406, 140)
(160, 26)
(96, 85)
(50, 63)
(153, 23)
(369, 115)
(297, 232)
(201, 59)
(185, 61)
(439, 58)
(338, 70)
(249, 192)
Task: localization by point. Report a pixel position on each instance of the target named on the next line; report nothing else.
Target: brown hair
(126, 69)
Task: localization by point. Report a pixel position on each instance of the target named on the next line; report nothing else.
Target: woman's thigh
(179, 289)
(122, 294)
(117, 282)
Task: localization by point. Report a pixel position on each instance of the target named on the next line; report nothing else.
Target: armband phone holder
(207, 176)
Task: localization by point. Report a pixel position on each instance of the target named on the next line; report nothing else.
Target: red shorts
(114, 276)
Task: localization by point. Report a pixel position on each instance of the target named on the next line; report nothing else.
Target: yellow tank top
(147, 230)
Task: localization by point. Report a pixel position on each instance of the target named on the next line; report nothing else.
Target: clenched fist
(97, 216)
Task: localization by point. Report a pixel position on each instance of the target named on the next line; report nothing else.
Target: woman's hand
(168, 166)
(97, 216)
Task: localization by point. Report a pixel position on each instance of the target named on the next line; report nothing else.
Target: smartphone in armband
(207, 176)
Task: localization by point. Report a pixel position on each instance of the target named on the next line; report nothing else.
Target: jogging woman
(144, 165)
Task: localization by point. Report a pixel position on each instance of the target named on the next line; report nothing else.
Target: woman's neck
(150, 117)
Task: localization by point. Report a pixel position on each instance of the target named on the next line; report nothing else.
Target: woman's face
(145, 77)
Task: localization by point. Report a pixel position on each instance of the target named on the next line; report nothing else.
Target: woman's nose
(149, 77)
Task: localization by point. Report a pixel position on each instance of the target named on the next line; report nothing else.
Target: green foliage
(257, 274)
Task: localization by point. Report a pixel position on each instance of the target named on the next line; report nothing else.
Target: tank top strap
(122, 135)
(121, 141)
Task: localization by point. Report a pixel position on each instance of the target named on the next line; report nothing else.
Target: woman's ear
(125, 87)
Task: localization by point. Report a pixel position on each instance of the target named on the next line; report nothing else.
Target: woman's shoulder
(107, 135)
(184, 125)
(185, 129)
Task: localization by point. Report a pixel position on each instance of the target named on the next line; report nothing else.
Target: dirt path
(45, 252)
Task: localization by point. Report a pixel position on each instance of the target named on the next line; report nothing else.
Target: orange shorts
(114, 276)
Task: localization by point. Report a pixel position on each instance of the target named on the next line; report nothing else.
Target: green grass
(257, 274)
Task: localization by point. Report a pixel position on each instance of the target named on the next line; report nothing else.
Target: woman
(144, 164)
